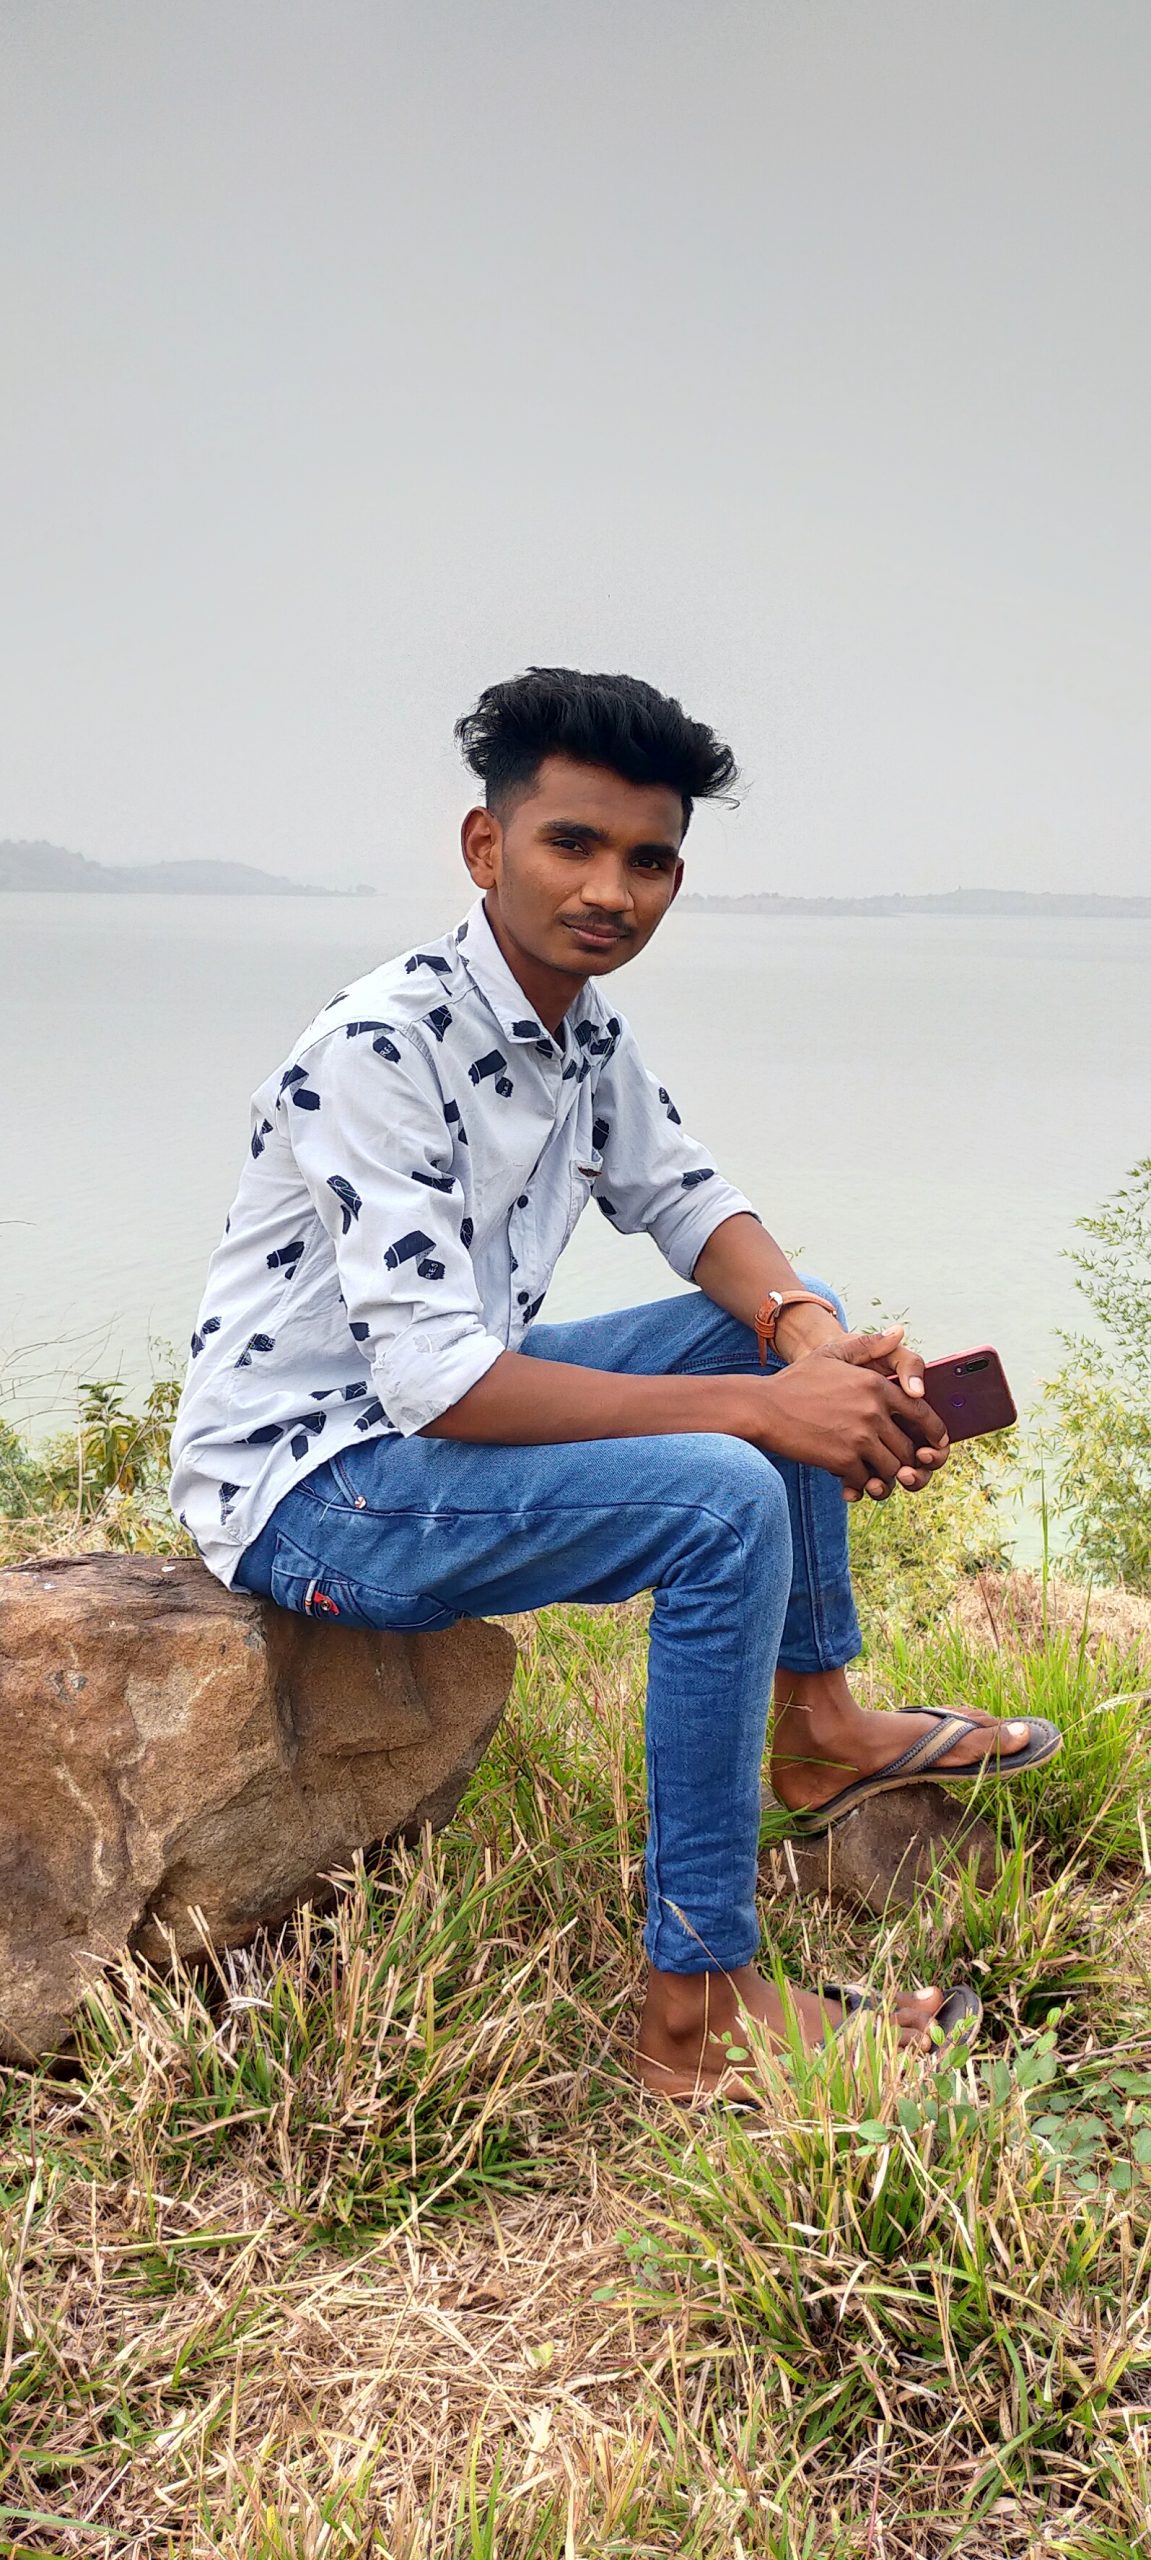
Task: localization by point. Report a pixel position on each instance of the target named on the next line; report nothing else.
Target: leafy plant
(110, 1472)
(120, 1451)
(1095, 2122)
(1101, 1399)
(908, 1556)
(21, 1479)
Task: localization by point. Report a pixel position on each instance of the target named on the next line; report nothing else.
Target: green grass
(360, 2061)
(1087, 1805)
(359, 2240)
(895, 2238)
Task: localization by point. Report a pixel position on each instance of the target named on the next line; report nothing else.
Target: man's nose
(605, 887)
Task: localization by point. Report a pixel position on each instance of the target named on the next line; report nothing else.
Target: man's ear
(481, 840)
(677, 884)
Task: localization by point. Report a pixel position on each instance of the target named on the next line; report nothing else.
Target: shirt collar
(489, 971)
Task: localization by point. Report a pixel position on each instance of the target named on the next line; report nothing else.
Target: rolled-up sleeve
(375, 1155)
(654, 1178)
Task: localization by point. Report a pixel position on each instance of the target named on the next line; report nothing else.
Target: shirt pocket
(314, 1590)
(585, 1175)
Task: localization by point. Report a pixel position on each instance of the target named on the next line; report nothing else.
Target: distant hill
(50, 866)
(942, 902)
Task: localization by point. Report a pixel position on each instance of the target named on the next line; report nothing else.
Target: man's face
(579, 873)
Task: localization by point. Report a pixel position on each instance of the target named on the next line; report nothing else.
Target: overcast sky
(793, 356)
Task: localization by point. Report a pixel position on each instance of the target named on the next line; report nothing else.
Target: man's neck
(549, 992)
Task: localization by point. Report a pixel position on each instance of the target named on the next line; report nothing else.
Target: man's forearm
(527, 1403)
(739, 1264)
(848, 1409)
(831, 1410)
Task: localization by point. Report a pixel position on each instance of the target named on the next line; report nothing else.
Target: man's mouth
(594, 937)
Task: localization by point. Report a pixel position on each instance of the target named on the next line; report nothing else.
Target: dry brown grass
(1021, 1610)
(420, 2347)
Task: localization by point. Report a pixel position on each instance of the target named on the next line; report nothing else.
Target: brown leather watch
(776, 1303)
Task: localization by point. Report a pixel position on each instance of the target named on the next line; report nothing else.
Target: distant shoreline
(38, 868)
(943, 902)
(51, 868)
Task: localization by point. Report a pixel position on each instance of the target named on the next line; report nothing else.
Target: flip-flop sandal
(919, 1762)
(958, 2018)
(851, 1997)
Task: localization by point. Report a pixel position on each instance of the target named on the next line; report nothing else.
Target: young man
(376, 1428)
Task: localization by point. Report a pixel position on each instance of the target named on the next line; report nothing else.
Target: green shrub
(109, 1474)
(1100, 1401)
(21, 1480)
(908, 1553)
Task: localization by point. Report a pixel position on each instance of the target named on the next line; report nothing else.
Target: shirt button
(521, 1297)
(522, 1202)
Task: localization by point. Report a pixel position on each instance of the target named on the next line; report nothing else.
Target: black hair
(617, 721)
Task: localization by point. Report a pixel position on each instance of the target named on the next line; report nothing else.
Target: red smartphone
(969, 1393)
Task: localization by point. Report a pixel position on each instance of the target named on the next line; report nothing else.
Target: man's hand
(851, 1405)
(907, 1366)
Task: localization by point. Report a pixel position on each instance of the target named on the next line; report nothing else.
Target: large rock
(880, 1855)
(167, 1746)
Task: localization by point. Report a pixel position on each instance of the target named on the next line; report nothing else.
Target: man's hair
(617, 721)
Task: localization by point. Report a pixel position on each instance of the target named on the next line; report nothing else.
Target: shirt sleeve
(374, 1152)
(654, 1178)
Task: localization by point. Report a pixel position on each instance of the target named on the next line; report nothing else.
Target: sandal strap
(922, 1755)
(850, 1997)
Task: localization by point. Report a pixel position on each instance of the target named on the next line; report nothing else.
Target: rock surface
(167, 1746)
(883, 1852)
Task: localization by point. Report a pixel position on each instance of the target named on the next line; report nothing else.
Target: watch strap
(768, 1313)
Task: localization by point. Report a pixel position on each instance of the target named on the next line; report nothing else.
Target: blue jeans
(746, 1556)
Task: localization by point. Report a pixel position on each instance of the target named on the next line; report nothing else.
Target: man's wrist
(801, 1329)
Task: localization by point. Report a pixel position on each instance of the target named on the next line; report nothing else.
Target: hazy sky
(794, 355)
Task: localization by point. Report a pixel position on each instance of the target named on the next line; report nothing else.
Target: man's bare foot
(680, 2052)
(823, 1739)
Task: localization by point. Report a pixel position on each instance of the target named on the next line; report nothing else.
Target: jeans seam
(815, 1593)
(351, 1498)
(495, 1511)
(716, 1369)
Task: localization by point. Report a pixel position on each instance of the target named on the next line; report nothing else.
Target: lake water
(920, 1108)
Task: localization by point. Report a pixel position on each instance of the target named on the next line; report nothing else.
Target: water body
(920, 1107)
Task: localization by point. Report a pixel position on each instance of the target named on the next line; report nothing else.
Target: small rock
(167, 1745)
(879, 1856)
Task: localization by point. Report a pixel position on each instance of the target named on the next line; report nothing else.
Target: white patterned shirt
(414, 1172)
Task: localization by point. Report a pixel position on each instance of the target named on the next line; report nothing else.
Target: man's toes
(914, 2012)
(1011, 1737)
(991, 1740)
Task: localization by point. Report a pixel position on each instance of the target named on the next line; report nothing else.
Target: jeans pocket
(332, 1483)
(315, 1590)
